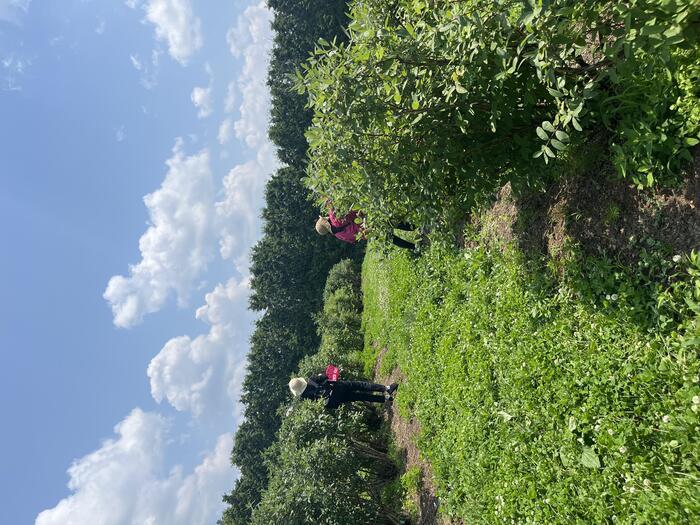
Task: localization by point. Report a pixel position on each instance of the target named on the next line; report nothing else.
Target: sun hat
(323, 226)
(297, 386)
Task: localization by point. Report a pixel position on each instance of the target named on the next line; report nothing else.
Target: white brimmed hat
(297, 386)
(323, 226)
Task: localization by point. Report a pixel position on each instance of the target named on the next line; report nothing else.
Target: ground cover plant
(432, 103)
(546, 396)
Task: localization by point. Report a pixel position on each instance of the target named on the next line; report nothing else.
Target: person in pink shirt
(350, 229)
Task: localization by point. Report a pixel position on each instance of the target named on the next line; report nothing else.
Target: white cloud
(136, 62)
(251, 38)
(123, 482)
(100, 29)
(177, 25)
(186, 222)
(239, 210)
(13, 70)
(14, 10)
(230, 101)
(203, 375)
(201, 96)
(225, 131)
(149, 71)
(176, 248)
(120, 134)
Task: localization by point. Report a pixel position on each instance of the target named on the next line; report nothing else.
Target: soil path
(405, 433)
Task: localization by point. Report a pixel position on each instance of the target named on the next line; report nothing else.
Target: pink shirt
(349, 233)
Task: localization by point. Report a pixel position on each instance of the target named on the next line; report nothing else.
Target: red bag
(332, 372)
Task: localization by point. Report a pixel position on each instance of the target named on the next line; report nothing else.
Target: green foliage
(431, 104)
(548, 398)
(345, 274)
(290, 263)
(326, 467)
(339, 324)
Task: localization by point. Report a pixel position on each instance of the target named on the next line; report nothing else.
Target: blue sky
(133, 158)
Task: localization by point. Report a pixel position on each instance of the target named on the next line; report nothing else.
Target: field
(556, 387)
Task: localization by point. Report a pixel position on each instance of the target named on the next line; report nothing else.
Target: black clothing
(405, 226)
(402, 243)
(317, 386)
(398, 241)
(348, 391)
(337, 392)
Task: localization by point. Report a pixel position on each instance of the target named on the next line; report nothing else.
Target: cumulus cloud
(225, 131)
(176, 248)
(251, 39)
(124, 481)
(201, 97)
(186, 220)
(230, 101)
(203, 375)
(177, 25)
(238, 211)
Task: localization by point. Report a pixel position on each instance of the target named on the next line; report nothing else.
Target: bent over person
(346, 229)
(337, 392)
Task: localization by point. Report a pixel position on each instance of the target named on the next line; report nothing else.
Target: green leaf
(555, 93)
(505, 415)
(547, 125)
(541, 133)
(460, 88)
(549, 152)
(565, 457)
(410, 29)
(537, 154)
(415, 104)
(559, 145)
(576, 124)
(589, 458)
(690, 141)
(562, 135)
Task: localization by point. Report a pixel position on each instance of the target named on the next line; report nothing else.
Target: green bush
(339, 324)
(344, 274)
(326, 467)
(433, 103)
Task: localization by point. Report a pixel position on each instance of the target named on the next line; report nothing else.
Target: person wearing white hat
(337, 392)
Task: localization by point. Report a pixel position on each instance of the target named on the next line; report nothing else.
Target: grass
(545, 396)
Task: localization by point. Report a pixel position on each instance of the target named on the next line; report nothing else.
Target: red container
(332, 372)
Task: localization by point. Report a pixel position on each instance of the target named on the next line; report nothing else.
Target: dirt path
(405, 433)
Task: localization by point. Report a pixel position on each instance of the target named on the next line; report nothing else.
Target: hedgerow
(331, 467)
